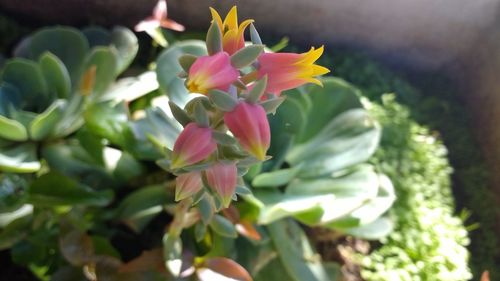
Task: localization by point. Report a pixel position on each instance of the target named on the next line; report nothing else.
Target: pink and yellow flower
(232, 33)
(193, 145)
(223, 178)
(187, 185)
(211, 72)
(248, 122)
(289, 70)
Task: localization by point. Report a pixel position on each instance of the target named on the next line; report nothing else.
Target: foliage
(429, 241)
(440, 110)
(84, 194)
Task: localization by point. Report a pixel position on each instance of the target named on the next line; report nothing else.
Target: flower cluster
(226, 129)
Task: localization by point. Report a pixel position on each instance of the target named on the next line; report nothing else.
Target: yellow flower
(232, 33)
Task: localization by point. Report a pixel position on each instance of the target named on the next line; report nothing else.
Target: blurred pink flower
(158, 19)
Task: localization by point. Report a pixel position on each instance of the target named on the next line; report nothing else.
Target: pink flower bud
(248, 122)
(187, 185)
(222, 178)
(193, 145)
(288, 70)
(211, 72)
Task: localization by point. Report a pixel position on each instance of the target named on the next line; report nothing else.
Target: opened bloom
(289, 70)
(223, 178)
(248, 123)
(211, 72)
(187, 185)
(194, 144)
(232, 33)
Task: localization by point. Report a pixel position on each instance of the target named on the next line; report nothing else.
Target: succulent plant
(45, 89)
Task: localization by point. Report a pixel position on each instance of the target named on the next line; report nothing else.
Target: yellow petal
(216, 17)
(231, 20)
(319, 70)
(243, 26)
(311, 56)
(314, 81)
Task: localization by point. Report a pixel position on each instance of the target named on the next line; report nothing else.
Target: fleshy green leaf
(214, 39)
(186, 61)
(223, 100)
(56, 189)
(126, 44)
(257, 91)
(43, 125)
(27, 77)
(20, 158)
(246, 56)
(223, 227)
(56, 75)
(275, 179)
(66, 43)
(106, 64)
(141, 206)
(12, 129)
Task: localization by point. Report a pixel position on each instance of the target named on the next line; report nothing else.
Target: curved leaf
(66, 43)
(45, 123)
(27, 77)
(56, 75)
(19, 159)
(12, 130)
(106, 63)
(126, 44)
(56, 189)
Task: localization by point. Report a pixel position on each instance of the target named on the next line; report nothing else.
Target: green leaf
(374, 230)
(186, 61)
(27, 77)
(56, 75)
(22, 211)
(72, 118)
(66, 43)
(43, 125)
(168, 67)
(349, 139)
(214, 39)
(254, 35)
(172, 253)
(141, 206)
(271, 105)
(12, 193)
(223, 227)
(335, 97)
(299, 259)
(223, 138)
(20, 158)
(106, 63)
(257, 91)
(126, 44)
(275, 179)
(246, 55)
(108, 120)
(14, 232)
(12, 130)
(201, 115)
(131, 88)
(54, 188)
(223, 100)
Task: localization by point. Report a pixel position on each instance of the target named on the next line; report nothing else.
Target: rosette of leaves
(45, 88)
(322, 138)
